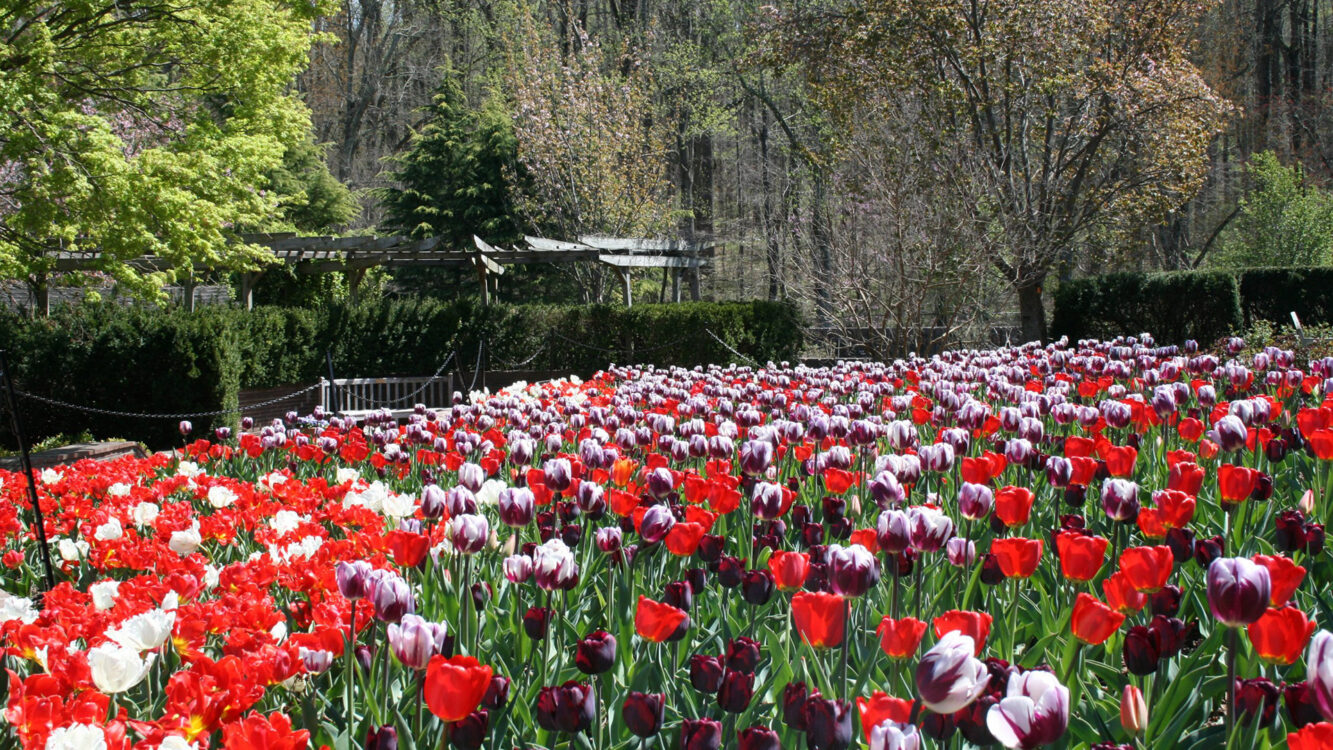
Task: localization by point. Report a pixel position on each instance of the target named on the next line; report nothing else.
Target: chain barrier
(145, 415)
(730, 349)
(526, 362)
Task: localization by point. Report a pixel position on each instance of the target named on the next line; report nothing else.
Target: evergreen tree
(454, 180)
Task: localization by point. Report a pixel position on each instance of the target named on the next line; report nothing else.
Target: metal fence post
(26, 461)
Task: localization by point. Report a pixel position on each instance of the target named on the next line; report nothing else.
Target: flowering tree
(595, 150)
(1084, 120)
(149, 128)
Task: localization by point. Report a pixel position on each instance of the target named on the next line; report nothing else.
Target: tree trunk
(1031, 311)
(821, 236)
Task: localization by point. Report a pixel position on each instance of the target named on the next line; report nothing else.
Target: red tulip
(1081, 556)
(1121, 594)
(1284, 576)
(820, 617)
(1147, 568)
(1092, 621)
(408, 549)
(658, 622)
(974, 624)
(1120, 460)
(1013, 505)
(1176, 506)
(1321, 442)
(1017, 557)
(1186, 477)
(1280, 635)
(789, 569)
(881, 707)
(1190, 429)
(683, 538)
(900, 639)
(1235, 483)
(1312, 737)
(455, 686)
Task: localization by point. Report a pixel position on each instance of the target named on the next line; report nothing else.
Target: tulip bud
(1133, 710)
(757, 586)
(742, 655)
(828, 724)
(569, 708)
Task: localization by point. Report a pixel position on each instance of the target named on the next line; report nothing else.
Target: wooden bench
(357, 397)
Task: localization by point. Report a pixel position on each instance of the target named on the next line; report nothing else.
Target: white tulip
(186, 541)
(144, 632)
(104, 594)
(117, 668)
(77, 737)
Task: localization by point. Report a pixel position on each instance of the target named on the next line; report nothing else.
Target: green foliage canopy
(145, 128)
(1283, 220)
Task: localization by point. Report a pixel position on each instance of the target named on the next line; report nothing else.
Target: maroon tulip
(679, 594)
(736, 691)
(470, 733)
(757, 586)
(497, 695)
(383, 738)
(794, 696)
(730, 571)
(536, 622)
(643, 712)
(596, 653)
(742, 655)
(1301, 704)
(1257, 698)
(1141, 651)
(758, 738)
(568, 708)
(700, 734)
(828, 724)
(706, 673)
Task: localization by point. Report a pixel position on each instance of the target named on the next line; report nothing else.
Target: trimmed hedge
(169, 361)
(1272, 294)
(1171, 306)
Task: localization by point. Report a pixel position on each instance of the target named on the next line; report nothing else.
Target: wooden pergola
(356, 255)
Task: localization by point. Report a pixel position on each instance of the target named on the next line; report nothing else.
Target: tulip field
(1103, 544)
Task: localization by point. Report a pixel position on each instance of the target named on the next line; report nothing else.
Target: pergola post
(694, 283)
(675, 285)
(354, 278)
(188, 290)
(626, 292)
(248, 281)
(485, 288)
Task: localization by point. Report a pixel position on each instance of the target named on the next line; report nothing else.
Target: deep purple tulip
(706, 673)
(1257, 698)
(497, 693)
(736, 691)
(794, 696)
(758, 738)
(742, 655)
(643, 712)
(828, 724)
(596, 653)
(757, 586)
(568, 708)
(536, 622)
(700, 734)
(1238, 590)
(470, 733)
(382, 738)
(1141, 651)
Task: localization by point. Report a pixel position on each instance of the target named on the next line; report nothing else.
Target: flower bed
(1109, 545)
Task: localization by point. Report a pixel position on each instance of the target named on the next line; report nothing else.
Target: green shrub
(171, 361)
(1171, 306)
